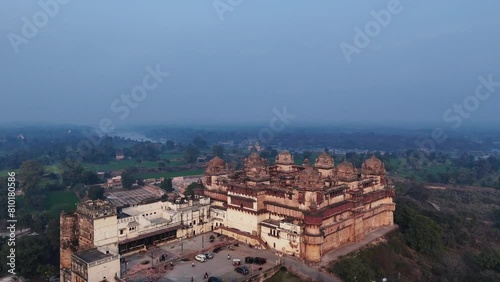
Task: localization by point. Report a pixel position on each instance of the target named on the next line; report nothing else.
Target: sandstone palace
(302, 210)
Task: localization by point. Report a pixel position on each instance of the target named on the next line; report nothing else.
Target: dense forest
(460, 242)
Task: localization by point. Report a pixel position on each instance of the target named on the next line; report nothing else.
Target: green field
(113, 165)
(48, 168)
(171, 156)
(57, 201)
(171, 174)
(420, 174)
(123, 164)
(4, 173)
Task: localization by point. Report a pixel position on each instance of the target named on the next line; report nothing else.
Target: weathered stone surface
(304, 210)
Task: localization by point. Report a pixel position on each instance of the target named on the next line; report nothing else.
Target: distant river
(134, 136)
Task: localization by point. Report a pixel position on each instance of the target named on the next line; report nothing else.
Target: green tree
(488, 260)
(71, 171)
(418, 191)
(140, 182)
(166, 185)
(40, 221)
(25, 220)
(80, 190)
(192, 153)
(199, 142)
(190, 190)
(420, 232)
(31, 251)
(30, 174)
(128, 179)
(95, 192)
(424, 235)
(46, 270)
(89, 177)
(353, 269)
(170, 145)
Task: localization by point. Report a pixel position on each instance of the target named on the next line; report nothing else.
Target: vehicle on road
(209, 255)
(249, 260)
(242, 270)
(258, 260)
(214, 279)
(200, 258)
(236, 262)
(217, 249)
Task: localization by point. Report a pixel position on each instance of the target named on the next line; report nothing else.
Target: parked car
(242, 270)
(209, 255)
(249, 260)
(212, 238)
(200, 258)
(258, 260)
(214, 279)
(236, 262)
(217, 249)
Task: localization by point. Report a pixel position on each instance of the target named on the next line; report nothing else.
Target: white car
(201, 258)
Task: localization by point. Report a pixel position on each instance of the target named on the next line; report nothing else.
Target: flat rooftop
(271, 222)
(93, 255)
(158, 220)
(133, 197)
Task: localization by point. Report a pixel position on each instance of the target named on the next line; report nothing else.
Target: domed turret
(216, 166)
(256, 167)
(309, 178)
(284, 158)
(373, 166)
(324, 161)
(346, 171)
(254, 160)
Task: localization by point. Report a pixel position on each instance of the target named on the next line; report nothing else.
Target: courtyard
(178, 265)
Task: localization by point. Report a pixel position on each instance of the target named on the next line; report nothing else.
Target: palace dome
(216, 166)
(254, 160)
(309, 177)
(256, 167)
(324, 160)
(373, 165)
(346, 170)
(285, 158)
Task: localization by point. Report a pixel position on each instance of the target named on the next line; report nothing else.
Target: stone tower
(68, 242)
(98, 226)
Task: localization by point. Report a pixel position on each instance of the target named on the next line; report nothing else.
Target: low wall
(264, 275)
(240, 236)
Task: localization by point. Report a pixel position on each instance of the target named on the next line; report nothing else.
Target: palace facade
(302, 210)
(95, 236)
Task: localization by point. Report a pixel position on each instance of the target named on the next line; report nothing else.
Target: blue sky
(262, 55)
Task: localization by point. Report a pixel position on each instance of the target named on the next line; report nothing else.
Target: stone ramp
(334, 255)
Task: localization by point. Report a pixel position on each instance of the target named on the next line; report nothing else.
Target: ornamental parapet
(219, 196)
(313, 219)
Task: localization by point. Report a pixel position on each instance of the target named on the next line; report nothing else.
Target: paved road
(311, 272)
(19, 233)
(218, 266)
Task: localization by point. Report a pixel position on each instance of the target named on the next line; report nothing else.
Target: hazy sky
(262, 55)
